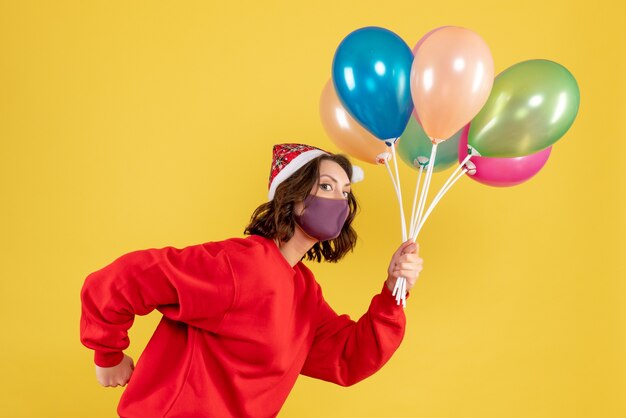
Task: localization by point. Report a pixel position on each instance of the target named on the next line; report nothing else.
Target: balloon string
(395, 187)
(439, 196)
(400, 288)
(396, 288)
(414, 207)
(424, 191)
(399, 291)
(426, 185)
(400, 200)
(400, 282)
(414, 235)
(393, 181)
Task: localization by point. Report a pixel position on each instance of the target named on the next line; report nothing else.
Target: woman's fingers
(115, 382)
(407, 247)
(408, 267)
(410, 258)
(408, 263)
(408, 274)
(412, 248)
(117, 375)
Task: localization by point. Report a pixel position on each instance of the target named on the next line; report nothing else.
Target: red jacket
(239, 324)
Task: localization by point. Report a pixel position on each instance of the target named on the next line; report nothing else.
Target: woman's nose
(338, 194)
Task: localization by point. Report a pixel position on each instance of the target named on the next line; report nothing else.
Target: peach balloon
(344, 131)
(415, 48)
(423, 38)
(451, 79)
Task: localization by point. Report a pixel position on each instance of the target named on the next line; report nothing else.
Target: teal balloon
(414, 148)
(371, 73)
(532, 104)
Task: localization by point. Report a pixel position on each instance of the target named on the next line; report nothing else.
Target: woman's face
(333, 183)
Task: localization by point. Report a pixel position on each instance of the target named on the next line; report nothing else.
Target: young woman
(243, 317)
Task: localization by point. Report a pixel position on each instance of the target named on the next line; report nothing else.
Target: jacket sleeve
(345, 352)
(193, 285)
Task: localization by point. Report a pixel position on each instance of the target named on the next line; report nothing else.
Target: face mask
(323, 218)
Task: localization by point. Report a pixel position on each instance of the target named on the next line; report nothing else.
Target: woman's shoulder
(235, 245)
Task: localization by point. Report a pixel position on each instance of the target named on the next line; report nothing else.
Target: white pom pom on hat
(289, 158)
(357, 174)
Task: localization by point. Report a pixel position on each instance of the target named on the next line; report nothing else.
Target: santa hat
(289, 158)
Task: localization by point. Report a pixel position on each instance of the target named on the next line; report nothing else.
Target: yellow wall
(128, 125)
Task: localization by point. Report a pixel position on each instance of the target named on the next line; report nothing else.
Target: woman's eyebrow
(334, 179)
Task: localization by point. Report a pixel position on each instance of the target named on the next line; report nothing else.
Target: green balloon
(532, 104)
(415, 147)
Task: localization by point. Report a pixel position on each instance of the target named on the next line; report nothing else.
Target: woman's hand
(117, 375)
(404, 263)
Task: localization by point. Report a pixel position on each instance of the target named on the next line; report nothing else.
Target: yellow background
(129, 125)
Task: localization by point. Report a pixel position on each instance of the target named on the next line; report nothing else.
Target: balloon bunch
(438, 104)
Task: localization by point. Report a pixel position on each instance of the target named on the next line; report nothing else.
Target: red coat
(239, 325)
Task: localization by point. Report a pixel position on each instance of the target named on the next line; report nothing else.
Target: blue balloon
(371, 74)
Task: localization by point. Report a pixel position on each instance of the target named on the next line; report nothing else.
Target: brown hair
(275, 219)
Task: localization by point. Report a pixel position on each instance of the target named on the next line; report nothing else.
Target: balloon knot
(470, 167)
(383, 157)
(390, 141)
(421, 160)
(473, 151)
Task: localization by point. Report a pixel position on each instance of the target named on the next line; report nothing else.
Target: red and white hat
(289, 158)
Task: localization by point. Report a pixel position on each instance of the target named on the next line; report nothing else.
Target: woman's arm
(192, 285)
(346, 352)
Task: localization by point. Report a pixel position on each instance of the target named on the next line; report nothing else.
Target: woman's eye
(325, 186)
(346, 194)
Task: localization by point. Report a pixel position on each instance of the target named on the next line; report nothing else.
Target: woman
(243, 317)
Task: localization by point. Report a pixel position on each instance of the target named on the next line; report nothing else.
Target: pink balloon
(503, 172)
(451, 78)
